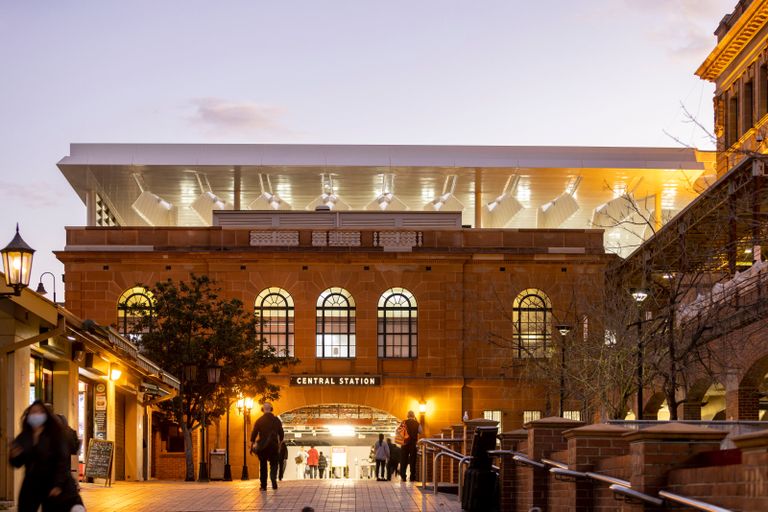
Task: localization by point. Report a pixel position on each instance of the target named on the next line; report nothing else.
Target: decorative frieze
(336, 239)
(274, 238)
(397, 239)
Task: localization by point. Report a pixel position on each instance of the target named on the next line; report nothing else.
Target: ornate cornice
(737, 38)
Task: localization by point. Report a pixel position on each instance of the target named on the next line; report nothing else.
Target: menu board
(100, 411)
(98, 463)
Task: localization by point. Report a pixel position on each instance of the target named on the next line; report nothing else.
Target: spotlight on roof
(268, 200)
(557, 211)
(328, 197)
(500, 211)
(207, 201)
(153, 209)
(386, 199)
(446, 201)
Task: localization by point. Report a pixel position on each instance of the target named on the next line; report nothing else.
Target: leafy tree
(193, 329)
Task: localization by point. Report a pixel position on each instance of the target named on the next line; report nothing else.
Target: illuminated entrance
(344, 433)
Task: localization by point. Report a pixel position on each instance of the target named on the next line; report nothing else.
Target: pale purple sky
(502, 72)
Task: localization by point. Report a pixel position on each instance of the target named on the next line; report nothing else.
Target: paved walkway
(323, 495)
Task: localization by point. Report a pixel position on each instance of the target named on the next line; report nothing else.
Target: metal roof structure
(492, 186)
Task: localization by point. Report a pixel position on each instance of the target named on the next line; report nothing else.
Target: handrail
(608, 479)
(554, 463)
(522, 459)
(635, 495)
(462, 460)
(690, 502)
(567, 473)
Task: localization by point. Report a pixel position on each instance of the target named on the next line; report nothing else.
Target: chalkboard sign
(98, 464)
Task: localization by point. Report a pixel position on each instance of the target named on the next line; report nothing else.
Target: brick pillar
(691, 410)
(754, 460)
(508, 469)
(654, 451)
(585, 446)
(545, 436)
(469, 431)
(742, 404)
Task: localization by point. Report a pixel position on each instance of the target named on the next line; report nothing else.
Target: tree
(193, 329)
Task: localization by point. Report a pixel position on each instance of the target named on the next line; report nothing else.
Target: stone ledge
(675, 432)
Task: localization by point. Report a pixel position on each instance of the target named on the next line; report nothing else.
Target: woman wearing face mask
(42, 449)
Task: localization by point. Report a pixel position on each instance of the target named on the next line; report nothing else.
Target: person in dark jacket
(322, 463)
(43, 449)
(282, 461)
(394, 458)
(265, 442)
(409, 454)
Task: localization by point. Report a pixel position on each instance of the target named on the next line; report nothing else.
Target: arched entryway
(344, 433)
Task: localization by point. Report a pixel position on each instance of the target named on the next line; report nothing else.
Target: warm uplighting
(17, 264)
(422, 407)
(115, 372)
(245, 404)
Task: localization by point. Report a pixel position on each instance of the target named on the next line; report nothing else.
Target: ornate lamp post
(639, 296)
(227, 467)
(213, 374)
(17, 265)
(563, 329)
(244, 406)
(41, 289)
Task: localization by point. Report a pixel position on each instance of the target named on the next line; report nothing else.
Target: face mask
(36, 419)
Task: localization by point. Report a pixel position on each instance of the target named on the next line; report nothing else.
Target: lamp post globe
(17, 264)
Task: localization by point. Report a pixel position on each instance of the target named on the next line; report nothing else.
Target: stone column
(654, 451)
(742, 404)
(545, 436)
(508, 480)
(586, 445)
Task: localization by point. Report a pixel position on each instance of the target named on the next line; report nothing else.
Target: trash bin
(217, 460)
(481, 491)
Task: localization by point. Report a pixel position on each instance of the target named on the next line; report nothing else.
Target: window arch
(274, 312)
(397, 324)
(335, 323)
(133, 306)
(532, 318)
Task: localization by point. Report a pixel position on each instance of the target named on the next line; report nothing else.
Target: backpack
(401, 434)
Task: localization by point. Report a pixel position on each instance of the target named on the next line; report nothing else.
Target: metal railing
(690, 502)
(434, 444)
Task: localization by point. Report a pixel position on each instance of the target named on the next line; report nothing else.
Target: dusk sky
(557, 72)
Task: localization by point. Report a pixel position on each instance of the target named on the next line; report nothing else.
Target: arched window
(335, 323)
(532, 318)
(397, 326)
(134, 305)
(274, 312)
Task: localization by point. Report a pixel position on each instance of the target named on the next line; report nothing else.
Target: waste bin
(217, 460)
(481, 491)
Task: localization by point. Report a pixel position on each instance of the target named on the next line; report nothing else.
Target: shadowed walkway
(328, 495)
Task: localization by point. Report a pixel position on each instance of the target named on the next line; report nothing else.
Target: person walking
(394, 458)
(265, 442)
(322, 464)
(43, 449)
(381, 454)
(409, 452)
(312, 460)
(283, 460)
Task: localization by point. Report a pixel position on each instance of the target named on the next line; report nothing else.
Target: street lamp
(17, 264)
(244, 406)
(214, 374)
(422, 413)
(227, 467)
(639, 295)
(41, 289)
(563, 329)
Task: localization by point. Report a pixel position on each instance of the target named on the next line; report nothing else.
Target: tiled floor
(322, 495)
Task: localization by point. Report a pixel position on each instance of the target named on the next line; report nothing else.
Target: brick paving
(323, 495)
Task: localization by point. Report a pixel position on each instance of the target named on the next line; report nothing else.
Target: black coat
(266, 427)
(46, 465)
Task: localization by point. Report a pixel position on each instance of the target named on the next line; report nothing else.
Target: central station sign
(336, 380)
